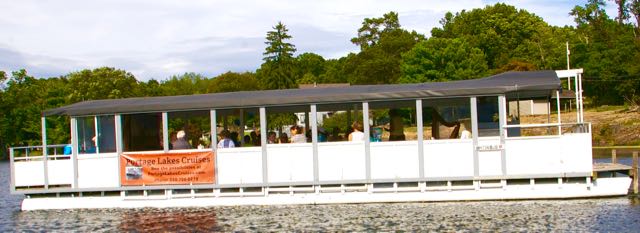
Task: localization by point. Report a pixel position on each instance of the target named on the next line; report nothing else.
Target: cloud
(36, 65)
(160, 38)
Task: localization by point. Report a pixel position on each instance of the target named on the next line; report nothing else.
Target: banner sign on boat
(167, 168)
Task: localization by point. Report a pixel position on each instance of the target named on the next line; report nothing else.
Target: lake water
(620, 214)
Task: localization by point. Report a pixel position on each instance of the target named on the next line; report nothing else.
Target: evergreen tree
(278, 49)
(278, 70)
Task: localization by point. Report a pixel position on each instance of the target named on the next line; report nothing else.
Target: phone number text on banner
(167, 168)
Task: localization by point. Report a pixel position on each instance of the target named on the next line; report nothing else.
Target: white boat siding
(601, 188)
(568, 155)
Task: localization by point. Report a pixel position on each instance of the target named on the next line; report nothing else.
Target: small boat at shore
(446, 141)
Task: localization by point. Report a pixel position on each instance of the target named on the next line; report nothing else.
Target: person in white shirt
(225, 142)
(465, 134)
(297, 134)
(357, 135)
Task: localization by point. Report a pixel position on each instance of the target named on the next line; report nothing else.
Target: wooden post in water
(635, 172)
(614, 157)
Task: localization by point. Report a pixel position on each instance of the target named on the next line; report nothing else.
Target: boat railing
(546, 129)
(35, 153)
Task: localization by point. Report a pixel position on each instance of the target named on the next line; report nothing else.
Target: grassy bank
(611, 125)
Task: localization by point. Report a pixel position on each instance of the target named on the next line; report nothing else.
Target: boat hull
(602, 187)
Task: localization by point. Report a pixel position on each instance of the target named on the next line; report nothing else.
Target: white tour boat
(447, 141)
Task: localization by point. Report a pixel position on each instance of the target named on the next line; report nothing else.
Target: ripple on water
(616, 214)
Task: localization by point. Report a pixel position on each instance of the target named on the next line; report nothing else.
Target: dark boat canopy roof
(525, 84)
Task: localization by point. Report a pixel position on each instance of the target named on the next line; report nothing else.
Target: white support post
(241, 130)
(119, 144)
(74, 150)
(502, 110)
(580, 93)
(263, 127)
(165, 132)
(420, 132)
(97, 134)
(214, 129)
(314, 140)
(13, 170)
(367, 141)
(577, 93)
(558, 109)
(214, 142)
(474, 135)
(45, 153)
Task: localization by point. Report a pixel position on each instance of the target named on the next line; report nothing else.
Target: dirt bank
(611, 125)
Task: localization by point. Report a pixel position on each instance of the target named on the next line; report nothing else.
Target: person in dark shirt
(181, 141)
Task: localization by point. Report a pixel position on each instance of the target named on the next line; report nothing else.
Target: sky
(155, 39)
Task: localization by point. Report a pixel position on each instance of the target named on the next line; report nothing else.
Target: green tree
(22, 104)
(380, 63)
(186, 84)
(309, 67)
(634, 9)
(151, 88)
(273, 75)
(230, 82)
(277, 72)
(372, 29)
(503, 33)
(607, 50)
(334, 70)
(101, 83)
(277, 48)
(439, 59)
(623, 10)
(3, 78)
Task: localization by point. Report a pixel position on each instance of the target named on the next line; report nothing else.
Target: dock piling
(635, 172)
(614, 156)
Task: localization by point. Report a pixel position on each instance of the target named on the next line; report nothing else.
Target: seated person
(90, 148)
(255, 137)
(465, 134)
(246, 140)
(297, 134)
(357, 135)
(67, 149)
(271, 137)
(322, 134)
(234, 138)
(283, 138)
(225, 141)
(181, 141)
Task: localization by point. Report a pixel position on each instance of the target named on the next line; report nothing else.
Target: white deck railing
(344, 162)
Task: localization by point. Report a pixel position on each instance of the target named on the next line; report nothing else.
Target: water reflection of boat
(421, 158)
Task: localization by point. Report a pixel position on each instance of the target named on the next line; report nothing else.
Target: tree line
(466, 45)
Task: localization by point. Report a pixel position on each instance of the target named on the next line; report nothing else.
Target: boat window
(89, 142)
(86, 127)
(142, 132)
(488, 116)
(335, 120)
(189, 130)
(288, 124)
(446, 118)
(240, 127)
(393, 121)
(106, 134)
